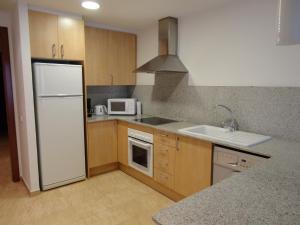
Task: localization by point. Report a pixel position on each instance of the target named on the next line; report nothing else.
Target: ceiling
(127, 14)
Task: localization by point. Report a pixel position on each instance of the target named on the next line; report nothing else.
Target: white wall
(6, 21)
(24, 89)
(230, 46)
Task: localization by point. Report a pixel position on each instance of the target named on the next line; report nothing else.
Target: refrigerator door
(57, 79)
(61, 140)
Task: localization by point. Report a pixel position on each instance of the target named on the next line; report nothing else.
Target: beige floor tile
(109, 199)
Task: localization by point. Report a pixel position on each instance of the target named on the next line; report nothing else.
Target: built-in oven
(140, 151)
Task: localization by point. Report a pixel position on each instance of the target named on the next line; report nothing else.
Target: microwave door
(117, 107)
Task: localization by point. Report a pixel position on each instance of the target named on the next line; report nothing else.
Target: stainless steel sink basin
(238, 138)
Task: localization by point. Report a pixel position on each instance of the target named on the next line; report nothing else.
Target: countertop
(268, 193)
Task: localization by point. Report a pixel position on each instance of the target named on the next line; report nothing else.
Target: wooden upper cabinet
(55, 37)
(124, 59)
(193, 163)
(43, 35)
(71, 38)
(110, 57)
(96, 60)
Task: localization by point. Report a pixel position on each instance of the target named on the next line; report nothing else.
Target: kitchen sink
(238, 138)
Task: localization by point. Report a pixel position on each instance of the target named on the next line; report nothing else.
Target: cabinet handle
(112, 79)
(62, 51)
(177, 144)
(53, 51)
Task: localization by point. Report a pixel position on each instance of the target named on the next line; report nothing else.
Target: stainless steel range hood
(167, 61)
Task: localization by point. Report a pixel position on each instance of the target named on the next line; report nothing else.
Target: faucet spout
(231, 123)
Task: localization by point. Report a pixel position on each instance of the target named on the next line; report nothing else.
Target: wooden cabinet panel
(71, 38)
(123, 58)
(123, 143)
(102, 143)
(164, 178)
(43, 35)
(96, 60)
(110, 57)
(55, 37)
(165, 138)
(193, 162)
(164, 158)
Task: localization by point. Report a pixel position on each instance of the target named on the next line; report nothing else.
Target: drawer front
(164, 178)
(164, 157)
(164, 138)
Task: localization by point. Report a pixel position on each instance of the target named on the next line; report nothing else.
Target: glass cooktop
(155, 120)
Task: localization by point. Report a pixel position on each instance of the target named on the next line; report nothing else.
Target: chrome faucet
(231, 123)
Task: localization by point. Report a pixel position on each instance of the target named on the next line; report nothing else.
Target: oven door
(140, 156)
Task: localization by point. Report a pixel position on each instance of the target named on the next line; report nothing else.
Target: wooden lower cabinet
(193, 163)
(163, 178)
(182, 165)
(102, 144)
(123, 143)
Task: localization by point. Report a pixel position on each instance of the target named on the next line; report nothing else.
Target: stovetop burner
(155, 120)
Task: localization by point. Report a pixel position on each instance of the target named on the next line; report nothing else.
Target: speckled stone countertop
(267, 193)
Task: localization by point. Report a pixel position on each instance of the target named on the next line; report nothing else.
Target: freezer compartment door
(57, 79)
(61, 139)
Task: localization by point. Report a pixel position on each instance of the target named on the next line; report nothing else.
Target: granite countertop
(268, 193)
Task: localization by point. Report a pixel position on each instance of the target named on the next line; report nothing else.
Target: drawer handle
(62, 51)
(164, 164)
(164, 177)
(53, 51)
(164, 152)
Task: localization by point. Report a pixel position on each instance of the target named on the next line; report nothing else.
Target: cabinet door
(102, 143)
(96, 57)
(123, 143)
(71, 38)
(193, 162)
(43, 35)
(122, 57)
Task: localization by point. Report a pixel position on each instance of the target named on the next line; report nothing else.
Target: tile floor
(109, 199)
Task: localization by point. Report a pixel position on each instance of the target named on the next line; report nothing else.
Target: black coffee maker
(89, 107)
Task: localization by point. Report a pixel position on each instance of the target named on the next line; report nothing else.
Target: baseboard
(103, 169)
(31, 193)
(151, 183)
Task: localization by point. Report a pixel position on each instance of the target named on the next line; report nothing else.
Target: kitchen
(220, 117)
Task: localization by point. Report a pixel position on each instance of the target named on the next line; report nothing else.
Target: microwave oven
(121, 106)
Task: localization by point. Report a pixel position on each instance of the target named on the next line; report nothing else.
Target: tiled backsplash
(273, 111)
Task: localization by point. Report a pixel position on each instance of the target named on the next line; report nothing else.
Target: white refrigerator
(59, 123)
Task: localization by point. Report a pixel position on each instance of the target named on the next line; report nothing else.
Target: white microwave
(121, 106)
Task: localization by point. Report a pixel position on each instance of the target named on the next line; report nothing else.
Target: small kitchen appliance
(121, 106)
(100, 110)
(89, 107)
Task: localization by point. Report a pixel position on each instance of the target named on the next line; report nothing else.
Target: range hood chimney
(167, 61)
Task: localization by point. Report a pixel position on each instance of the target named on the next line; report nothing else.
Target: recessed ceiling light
(90, 5)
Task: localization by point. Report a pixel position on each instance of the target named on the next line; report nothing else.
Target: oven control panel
(140, 135)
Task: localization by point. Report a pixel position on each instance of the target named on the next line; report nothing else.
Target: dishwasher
(228, 161)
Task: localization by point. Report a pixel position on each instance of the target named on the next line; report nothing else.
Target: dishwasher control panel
(234, 159)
